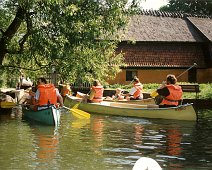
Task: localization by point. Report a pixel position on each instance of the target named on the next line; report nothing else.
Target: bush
(205, 91)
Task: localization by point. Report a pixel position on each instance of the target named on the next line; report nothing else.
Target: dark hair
(136, 80)
(171, 79)
(34, 89)
(42, 79)
(96, 82)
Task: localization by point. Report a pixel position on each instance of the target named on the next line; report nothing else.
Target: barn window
(130, 74)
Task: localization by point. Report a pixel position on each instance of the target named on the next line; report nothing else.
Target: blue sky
(153, 4)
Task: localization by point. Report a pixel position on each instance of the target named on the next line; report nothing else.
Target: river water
(105, 143)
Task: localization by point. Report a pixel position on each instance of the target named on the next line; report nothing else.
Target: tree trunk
(10, 32)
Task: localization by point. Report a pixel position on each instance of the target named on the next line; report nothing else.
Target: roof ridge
(159, 13)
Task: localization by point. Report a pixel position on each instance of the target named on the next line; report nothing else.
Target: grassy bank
(205, 90)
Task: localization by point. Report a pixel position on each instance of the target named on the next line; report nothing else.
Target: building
(157, 43)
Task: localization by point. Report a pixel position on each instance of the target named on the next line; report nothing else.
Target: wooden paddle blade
(80, 114)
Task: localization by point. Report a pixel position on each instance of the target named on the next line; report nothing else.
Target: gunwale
(182, 112)
(49, 116)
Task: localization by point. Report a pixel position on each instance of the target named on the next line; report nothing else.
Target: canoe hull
(50, 116)
(184, 112)
(143, 102)
(7, 105)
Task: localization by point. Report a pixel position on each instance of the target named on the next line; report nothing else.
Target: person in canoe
(96, 93)
(47, 95)
(171, 92)
(136, 93)
(117, 96)
(65, 90)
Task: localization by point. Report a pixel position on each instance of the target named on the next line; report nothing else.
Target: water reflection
(174, 148)
(80, 123)
(46, 141)
(16, 112)
(105, 142)
(174, 138)
(139, 130)
(97, 130)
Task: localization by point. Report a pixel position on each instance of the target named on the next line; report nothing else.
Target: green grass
(206, 91)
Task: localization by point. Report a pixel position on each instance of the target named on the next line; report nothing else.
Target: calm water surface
(105, 143)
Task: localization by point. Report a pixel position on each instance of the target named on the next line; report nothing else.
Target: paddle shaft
(154, 94)
(85, 96)
(66, 107)
(194, 65)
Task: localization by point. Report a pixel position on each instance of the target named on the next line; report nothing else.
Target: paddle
(78, 113)
(154, 94)
(82, 96)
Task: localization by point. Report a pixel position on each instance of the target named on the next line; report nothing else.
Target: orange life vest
(47, 94)
(98, 93)
(65, 90)
(174, 96)
(139, 89)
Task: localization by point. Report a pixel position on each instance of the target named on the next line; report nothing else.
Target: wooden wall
(159, 75)
(204, 75)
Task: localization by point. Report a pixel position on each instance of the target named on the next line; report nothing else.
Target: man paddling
(47, 95)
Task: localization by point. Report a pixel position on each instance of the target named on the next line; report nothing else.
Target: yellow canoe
(143, 102)
(182, 112)
(7, 105)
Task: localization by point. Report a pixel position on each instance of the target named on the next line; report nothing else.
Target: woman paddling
(171, 92)
(96, 93)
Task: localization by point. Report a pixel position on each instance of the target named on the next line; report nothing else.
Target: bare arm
(59, 98)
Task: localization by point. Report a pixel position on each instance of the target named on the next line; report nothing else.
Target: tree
(199, 7)
(73, 35)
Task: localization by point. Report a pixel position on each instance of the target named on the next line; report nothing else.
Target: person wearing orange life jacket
(96, 94)
(136, 92)
(171, 92)
(65, 90)
(46, 95)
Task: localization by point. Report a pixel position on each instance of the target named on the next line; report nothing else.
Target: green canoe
(49, 116)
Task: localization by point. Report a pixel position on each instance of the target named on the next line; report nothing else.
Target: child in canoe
(117, 96)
